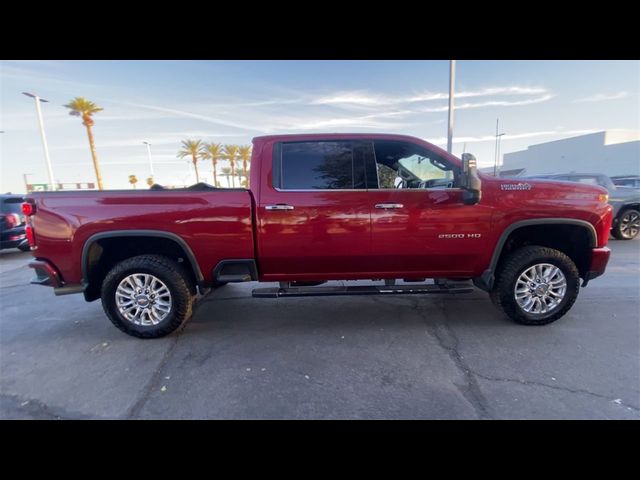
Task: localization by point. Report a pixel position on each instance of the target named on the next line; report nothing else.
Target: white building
(612, 152)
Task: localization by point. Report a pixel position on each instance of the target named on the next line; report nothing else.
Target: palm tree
(245, 156)
(81, 107)
(243, 173)
(133, 180)
(226, 172)
(213, 151)
(231, 154)
(193, 149)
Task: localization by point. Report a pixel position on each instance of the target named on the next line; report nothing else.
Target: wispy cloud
(362, 98)
(491, 103)
(603, 97)
(515, 136)
(199, 116)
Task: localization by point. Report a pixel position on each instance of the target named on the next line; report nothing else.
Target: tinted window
(11, 205)
(406, 165)
(319, 165)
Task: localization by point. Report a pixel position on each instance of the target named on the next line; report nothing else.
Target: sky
(230, 102)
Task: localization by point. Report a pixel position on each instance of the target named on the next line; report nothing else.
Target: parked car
(12, 223)
(625, 201)
(325, 207)
(632, 181)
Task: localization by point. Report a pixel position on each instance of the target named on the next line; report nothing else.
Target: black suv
(12, 223)
(624, 200)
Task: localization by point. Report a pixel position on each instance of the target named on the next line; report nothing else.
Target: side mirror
(471, 183)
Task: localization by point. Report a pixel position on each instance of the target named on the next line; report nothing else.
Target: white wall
(593, 153)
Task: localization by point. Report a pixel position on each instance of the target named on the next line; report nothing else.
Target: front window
(406, 165)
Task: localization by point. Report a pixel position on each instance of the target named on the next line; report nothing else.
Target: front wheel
(628, 225)
(536, 285)
(147, 296)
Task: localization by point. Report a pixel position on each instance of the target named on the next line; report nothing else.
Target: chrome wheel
(143, 299)
(630, 224)
(540, 288)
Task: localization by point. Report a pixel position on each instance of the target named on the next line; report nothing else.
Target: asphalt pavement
(401, 357)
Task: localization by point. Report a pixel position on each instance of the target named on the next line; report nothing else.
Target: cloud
(490, 103)
(365, 121)
(362, 98)
(603, 97)
(515, 136)
(198, 116)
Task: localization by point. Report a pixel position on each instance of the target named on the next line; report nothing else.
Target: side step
(362, 290)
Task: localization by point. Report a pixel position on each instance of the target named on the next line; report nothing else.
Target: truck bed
(215, 224)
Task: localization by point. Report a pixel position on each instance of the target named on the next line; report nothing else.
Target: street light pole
(499, 144)
(37, 100)
(497, 149)
(452, 80)
(149, 154)
(26, 182)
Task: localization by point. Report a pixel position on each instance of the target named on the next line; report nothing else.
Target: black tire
(518, 262)
(627, 215)
(24, 248)
(171, 273)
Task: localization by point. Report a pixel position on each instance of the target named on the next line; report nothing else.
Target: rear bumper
(599, 260)
(48, 276)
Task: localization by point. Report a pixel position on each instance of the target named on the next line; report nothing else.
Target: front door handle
(279, 206)
(389, 206)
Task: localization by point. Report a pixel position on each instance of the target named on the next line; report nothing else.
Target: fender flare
(486, 280)
(140, 233)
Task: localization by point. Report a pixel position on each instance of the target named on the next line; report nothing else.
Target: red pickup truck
(392, 209)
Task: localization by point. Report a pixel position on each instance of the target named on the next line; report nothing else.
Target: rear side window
(11, 205)
(318, 166)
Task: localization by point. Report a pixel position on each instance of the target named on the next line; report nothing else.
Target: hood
(533, 184)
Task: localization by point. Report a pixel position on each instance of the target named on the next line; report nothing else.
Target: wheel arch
(93, 247)
(486, 280)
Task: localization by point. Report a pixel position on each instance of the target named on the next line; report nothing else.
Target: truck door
(419, 224)
(313, 212)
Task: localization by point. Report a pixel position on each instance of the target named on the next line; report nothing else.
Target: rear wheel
(628, 225)
(536, 285)
(147, 296)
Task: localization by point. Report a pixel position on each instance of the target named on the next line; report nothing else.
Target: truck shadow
(345, 313)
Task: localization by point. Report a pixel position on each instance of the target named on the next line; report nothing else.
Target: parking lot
(424, 357)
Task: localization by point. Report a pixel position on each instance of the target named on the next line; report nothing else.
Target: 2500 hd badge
(460, 235)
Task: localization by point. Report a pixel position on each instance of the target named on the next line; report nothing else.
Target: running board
(361, 290)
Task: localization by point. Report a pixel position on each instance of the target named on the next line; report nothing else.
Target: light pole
(26, 182)
(452, 81)
(37, 99)
(149, 154)
(495, 160)
(499, 144)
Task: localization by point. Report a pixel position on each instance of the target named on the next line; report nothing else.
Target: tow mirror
(471, 183)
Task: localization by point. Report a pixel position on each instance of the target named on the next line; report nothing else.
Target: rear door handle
(279, 206)
(389, 206)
